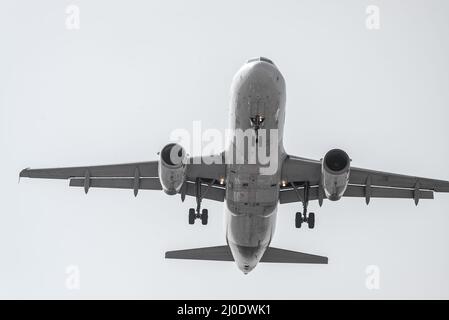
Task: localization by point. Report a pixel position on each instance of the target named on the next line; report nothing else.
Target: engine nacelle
(172, 168)
(335, 173)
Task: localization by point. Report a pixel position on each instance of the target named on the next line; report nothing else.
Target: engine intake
(172, 168)
(335, 173)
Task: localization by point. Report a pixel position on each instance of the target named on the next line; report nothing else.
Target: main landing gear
(193, 215)
(198, 213)
(309, 219)
(304, 217)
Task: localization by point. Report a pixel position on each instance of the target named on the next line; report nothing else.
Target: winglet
(24, 173)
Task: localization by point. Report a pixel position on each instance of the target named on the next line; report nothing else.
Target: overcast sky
(113, 90)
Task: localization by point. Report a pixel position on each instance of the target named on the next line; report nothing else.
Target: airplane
(250, 196)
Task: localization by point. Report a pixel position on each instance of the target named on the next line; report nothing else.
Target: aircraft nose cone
(245, 257)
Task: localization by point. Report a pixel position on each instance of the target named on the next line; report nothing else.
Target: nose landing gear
(256, 123)
(304, 217)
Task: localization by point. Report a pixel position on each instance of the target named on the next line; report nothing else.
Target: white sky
(114, 90)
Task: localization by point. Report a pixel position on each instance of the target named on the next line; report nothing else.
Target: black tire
(191, 216)
(204, 216)
(311, 220)
(298, 220)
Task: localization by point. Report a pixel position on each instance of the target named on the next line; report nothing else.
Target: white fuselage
(252, 194)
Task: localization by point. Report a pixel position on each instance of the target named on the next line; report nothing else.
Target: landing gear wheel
(191, 216)
(298, 220)
(311, 220)
(204, 216)
(304, 198)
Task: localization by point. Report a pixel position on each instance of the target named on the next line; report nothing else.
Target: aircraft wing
(362, 183)
(135, 176)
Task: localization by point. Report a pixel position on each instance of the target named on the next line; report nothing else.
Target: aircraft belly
(251, 230)
(251, 204)
(252, 192)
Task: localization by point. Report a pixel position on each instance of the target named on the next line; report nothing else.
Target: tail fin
(223, 253)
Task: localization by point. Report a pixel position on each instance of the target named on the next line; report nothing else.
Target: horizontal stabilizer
(219, 253)
(288, 256)
(223, 253)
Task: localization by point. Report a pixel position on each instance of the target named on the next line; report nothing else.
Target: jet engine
(172, 168)
(335, 173)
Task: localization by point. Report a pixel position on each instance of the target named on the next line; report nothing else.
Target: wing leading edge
(135, 176)
(363, 183)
